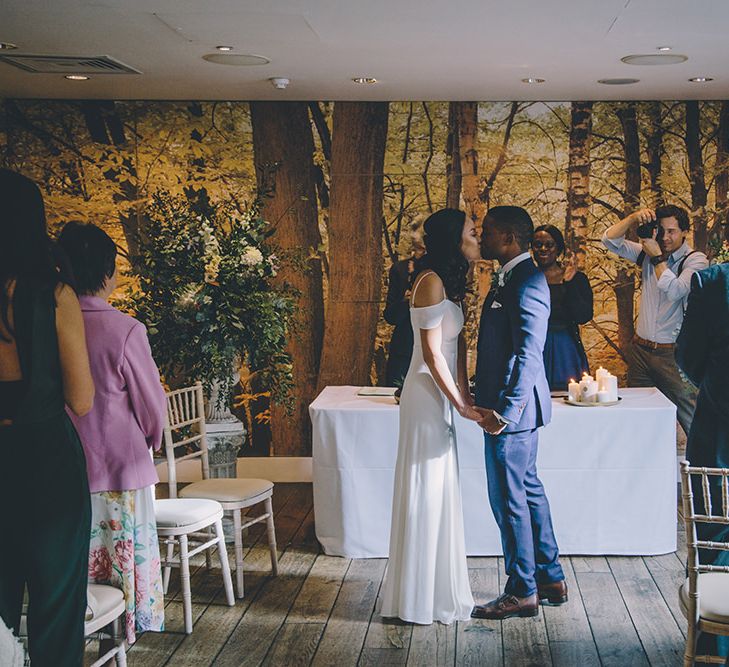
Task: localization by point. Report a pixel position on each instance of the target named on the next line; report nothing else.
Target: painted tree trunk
(106, 127)
(355, 242)
(655, 152)
(470, 176)
(578, 178)
(453, 158)
(625, 279)
(722, 169)
(467, 123)
(697, 182)
(283, 147)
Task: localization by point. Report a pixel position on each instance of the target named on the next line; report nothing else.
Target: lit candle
(573, 391)
(610, 385)
(603, 397)
(583, 384)
(600, 375)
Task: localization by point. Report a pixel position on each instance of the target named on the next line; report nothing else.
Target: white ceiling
(417, 49)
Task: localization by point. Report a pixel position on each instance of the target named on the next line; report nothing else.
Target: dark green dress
(44, 493)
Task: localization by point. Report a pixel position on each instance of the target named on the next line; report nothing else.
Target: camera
(645, 231)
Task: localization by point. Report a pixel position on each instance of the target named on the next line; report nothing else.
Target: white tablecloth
(609, 473)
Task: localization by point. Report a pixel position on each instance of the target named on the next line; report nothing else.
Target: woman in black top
(44, 492)
(564, 354)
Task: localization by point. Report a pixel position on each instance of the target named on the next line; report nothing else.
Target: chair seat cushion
(713, 588)
(178, 512)
(104, 604)
(227, 490)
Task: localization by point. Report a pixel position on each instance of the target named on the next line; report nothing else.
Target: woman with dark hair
(571, 294)
(126, 421)
(427, 576)
(44, 493)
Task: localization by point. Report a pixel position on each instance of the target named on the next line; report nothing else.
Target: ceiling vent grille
(49, 64)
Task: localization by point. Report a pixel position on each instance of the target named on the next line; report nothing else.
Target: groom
(513, 396)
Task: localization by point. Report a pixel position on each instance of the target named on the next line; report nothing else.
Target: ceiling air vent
(67, 64)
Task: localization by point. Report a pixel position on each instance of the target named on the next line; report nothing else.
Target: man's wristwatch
(655, 261)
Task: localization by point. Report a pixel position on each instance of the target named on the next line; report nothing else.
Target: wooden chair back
(714, 493)
(185, 426)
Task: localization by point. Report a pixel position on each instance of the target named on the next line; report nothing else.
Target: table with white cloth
(609, 474)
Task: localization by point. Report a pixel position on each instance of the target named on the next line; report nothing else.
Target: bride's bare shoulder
(428, 290)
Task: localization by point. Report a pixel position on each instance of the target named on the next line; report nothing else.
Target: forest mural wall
(348, 185)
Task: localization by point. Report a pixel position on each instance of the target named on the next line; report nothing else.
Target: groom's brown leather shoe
(507, 606)
(555, 592)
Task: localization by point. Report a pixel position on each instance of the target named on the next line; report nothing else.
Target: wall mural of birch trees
(349, 184)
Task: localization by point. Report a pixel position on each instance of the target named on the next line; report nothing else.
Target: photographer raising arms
(667, 263)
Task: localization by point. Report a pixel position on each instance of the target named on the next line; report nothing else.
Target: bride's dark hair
(443, 235)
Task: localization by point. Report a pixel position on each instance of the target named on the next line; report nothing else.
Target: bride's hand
(469, 412)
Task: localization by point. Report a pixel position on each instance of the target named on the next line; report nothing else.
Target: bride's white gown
(427, 577)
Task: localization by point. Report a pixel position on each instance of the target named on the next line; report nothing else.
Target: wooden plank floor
(320, 610)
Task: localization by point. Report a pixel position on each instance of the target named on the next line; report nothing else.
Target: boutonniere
(499, 279)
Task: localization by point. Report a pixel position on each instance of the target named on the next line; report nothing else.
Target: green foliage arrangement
(719, 251)
(206, 294)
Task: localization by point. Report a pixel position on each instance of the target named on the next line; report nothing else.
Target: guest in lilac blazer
(125, 423)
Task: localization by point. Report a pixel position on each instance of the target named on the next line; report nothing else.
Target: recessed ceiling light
(700, 79)
(655, 59)
(364, 79)
(77, 77)
(532, 79)
(664, 48)
(224, 48)
(240, 59)
(7, 46)
(617, 82)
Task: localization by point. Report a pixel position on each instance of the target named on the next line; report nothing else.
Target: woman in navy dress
(564, 354)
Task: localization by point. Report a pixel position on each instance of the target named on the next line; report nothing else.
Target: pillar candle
(610, 385)
(603, 396)
(573, 391)
(589, 392)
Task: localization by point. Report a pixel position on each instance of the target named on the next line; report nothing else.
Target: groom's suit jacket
(510, 376)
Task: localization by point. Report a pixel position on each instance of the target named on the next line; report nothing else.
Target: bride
(427, 576)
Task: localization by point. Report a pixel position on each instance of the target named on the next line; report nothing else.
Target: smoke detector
(279, 83)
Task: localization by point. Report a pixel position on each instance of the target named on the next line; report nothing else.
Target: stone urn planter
(226, 435)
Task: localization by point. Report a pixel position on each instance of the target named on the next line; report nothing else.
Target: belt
(649, 344)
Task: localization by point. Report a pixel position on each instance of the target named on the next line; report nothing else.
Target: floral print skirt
(124, 552)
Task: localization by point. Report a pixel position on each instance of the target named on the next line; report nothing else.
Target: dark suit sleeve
(579, 298)
(397, 310)
(692, 346)
(529, 319)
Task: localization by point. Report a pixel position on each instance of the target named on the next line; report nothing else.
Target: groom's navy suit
(510, 379)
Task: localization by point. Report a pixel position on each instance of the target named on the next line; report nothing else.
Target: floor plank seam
(663, 597)
(630, 615)
(589, 623)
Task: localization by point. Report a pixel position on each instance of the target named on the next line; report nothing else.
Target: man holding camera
(667, 263)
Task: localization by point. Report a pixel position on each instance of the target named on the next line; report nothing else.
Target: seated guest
(126, 421)
(571, 294)
(702, 353)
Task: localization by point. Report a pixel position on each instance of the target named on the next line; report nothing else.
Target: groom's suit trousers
(521, 510)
